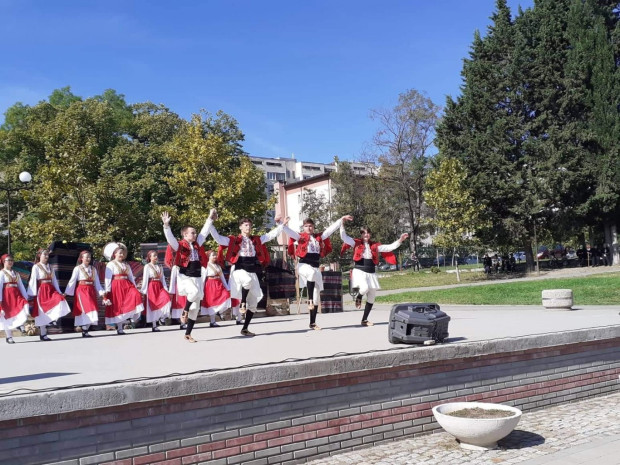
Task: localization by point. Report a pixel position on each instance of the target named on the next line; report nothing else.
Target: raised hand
(165, 217)
(213, 214)
(347, 218)
(403, 237)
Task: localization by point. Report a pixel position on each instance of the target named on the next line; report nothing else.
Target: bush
(435, 269)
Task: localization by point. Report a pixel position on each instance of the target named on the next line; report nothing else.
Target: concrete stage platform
(289, 393)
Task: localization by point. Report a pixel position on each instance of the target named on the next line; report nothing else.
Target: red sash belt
(45, 280)
(86, 283)
(122, 276)
(10, 285)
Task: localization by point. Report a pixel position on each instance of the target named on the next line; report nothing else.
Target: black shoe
(218, 314)
(9, 340)
(44, 338)
(183, 326)
(120, 332)
(247, 333)
(239, 322)
(214, 325)
(85, 334)
(155, 329)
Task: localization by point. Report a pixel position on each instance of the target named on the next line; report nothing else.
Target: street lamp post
(25, 178)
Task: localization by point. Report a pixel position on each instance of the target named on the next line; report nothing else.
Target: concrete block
(95, 459)
(303, 420)
(242, 458)
(305, 453)
(164, 446)
(252, 430)
(328, 448)
(351, 443)
(372, 438)
(234, 433)
(268, 452)
(280, 458)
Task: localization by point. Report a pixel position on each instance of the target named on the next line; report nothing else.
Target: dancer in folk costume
(186, 258)
(178, 302)
(216, 293)
(310, 247)
(84, 285)
(123, 300)
(366, 257)
(154, 288)
(246, 252)
(49, 302)
(13, 299)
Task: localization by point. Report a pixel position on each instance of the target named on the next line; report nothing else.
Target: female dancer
(49, 301)
(154, 288)
(366, 258)
(123, 299)
(216, 293)
(84, 285)
(13, 299)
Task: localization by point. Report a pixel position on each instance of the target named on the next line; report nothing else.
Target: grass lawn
(407, 279)
(590, 290)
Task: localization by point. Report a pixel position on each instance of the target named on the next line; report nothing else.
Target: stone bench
(557, 299)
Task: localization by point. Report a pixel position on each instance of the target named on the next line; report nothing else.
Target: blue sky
(299, 76)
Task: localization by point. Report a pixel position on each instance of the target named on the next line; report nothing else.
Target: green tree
(457, 212)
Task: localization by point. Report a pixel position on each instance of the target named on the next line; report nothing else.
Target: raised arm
(393, 245)
(290, 233)
(332, 228)
(345, 238)
(275, 232)
(221, 240)
(172, 241)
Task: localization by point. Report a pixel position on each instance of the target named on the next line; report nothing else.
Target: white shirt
(80, 273)
(150, 272)
(367, 252)
(247, 247)
(313, 244)
(38, 273)
(4, 279)
(113, 268)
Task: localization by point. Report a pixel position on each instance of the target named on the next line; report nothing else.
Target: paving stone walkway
(590, 428)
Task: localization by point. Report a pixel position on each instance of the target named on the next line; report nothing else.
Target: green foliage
(104, 170)
(456, 212)
(435, 269)
(536, 124)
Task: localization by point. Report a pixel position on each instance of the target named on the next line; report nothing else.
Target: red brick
(146, 459)
(328, 431)
(196, 458)
(254, 446)
(291, 430)
(119, 462)
(362, 417)
(338, 422)
(218, 454)
(239, 441)
(381, 413)
(211, 446)
(351, 427)
(266, 435)
(280, 441)
(304, 436)
(171, 454)
(370, 423)
(315, 426)
(176, 461)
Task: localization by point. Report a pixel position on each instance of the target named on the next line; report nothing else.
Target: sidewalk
(579, 433)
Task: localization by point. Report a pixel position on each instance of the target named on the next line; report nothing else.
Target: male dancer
(189, 258)
(243, 253)
(311, 247)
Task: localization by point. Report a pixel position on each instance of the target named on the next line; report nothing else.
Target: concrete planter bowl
(476, 433)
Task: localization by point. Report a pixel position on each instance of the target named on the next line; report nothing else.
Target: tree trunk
(613, 244)
(529, 256)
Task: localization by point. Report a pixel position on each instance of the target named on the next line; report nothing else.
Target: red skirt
(85, 300)
(14, 307)
(49, 305)
(157, 301)
(215, 293)
(178, 304)
(126, 302)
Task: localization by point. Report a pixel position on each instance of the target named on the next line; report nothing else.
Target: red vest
(234, 246)
(358, 251)
(302, 245)
(181, 257)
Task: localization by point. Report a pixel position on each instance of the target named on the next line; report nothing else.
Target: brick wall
(312, 416)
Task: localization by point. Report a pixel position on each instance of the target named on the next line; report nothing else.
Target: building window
(269, 163)
(312, 168)
(257, 162)
(275, 176)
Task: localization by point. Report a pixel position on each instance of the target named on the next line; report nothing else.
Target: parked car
(472, 260)
(543, 252)
(519, 256)
(571, 254)
(387, 267)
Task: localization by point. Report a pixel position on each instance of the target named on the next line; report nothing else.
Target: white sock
(154, 324)
(9, 333)
(85, 328)
(43, 330)
(212, 318)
